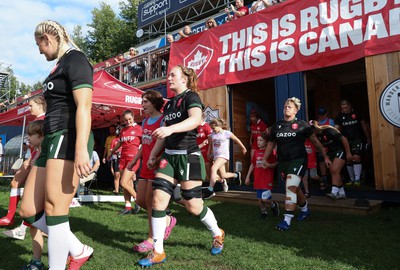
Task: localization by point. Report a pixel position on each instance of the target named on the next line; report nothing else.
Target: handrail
(142, 68)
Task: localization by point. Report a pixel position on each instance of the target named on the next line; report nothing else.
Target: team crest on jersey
(295, 126)
(163, 163)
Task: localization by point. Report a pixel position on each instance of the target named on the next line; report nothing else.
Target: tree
(37, 86)
(103, 38)
(110, 34)
(79, 39)
(129, 17)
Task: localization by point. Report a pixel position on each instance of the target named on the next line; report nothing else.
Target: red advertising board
(290, 37)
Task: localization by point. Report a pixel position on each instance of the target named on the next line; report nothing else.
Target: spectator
(1, 154)
(134, 68)
(107, 146)
(170, 38)
(239, 11)
(323, 118)
(114, 159)
(3, 106)
(119, 59)
(154, 66)
(211, 23)
(260, 5)
(186, 32)
(132, 53)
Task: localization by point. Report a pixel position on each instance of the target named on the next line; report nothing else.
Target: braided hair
(58, 31)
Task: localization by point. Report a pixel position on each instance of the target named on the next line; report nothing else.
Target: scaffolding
(197, 12)
(4, 85)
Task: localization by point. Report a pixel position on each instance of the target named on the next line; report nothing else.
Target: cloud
(18, 20)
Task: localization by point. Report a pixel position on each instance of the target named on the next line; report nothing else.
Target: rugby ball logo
(199, 58)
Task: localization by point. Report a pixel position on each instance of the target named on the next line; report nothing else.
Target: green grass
(324, 241)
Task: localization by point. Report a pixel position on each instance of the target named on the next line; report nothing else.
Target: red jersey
(130, 138)
(256, 130)
(244, 9)
(40, 117)
(202, 134)
(112, 145)
(263, 178)
(148, 142)
(311, 154)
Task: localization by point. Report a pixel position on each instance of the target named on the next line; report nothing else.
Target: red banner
(290, 37)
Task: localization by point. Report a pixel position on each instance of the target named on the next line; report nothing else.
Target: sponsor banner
(290, 37)
(154, 10)
(161, 42)
(155, 44)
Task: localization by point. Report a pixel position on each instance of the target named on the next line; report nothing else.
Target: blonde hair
(218, 122)
(191, 77)
(58, 31)
(214, 23)
(315, 124)
(295, 101)
(40, 101)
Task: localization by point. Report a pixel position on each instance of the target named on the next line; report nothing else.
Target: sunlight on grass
(324, 241)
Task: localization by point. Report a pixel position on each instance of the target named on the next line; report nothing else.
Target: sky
(18, 19)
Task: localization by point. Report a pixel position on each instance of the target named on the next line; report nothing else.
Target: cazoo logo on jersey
(48, 86)
(199, 58)
(285, 134)
(172, 116)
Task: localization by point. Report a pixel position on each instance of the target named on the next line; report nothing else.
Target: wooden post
(381, 70)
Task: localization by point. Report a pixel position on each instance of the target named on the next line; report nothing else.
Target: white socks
(211, 223)
(158, 225)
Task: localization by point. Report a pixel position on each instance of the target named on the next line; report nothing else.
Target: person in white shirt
(260, 5)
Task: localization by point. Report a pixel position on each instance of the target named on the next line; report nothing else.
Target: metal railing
(143, 68)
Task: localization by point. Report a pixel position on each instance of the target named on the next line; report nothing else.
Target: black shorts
(115, 164)
(356, 147)
(296, 167)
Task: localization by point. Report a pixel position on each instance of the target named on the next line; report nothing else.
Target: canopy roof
(111, 98)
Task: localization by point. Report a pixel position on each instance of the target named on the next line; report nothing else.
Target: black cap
(321, 111)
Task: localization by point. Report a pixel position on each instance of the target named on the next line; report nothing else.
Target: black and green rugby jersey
(73, 71)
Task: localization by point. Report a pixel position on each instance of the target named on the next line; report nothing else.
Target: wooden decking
(315, 202)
